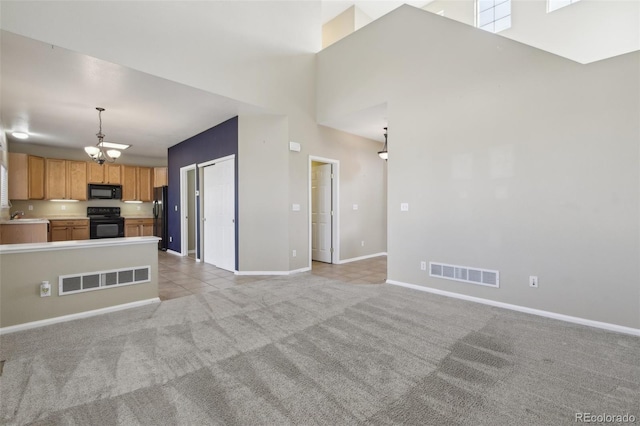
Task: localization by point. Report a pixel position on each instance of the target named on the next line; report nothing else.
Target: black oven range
(105, 222)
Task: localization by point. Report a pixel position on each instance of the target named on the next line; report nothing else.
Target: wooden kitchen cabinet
(56, 179)
(65, 179)
(138, 227)
(26, 177)
(136, 183)
(159, 176)
(145, 184)
(106, 173)
(21, 233)
(77, 180)
(66, 230)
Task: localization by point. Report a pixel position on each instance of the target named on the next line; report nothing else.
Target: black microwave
(104, 192)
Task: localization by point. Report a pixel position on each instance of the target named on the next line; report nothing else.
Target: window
(557, 4)
(493, 15)
(4, 188)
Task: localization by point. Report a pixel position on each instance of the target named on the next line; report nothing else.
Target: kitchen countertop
(75, 244)
(24, 221)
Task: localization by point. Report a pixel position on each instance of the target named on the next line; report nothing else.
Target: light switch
(295, 207)
(355, 207)
(404, 207)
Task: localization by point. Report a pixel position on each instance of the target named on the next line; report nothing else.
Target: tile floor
(182, 276)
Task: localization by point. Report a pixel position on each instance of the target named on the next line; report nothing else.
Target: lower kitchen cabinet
(66, 230)
(20, 233)
(138, 227)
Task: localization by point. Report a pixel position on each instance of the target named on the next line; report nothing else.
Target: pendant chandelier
(103, 151)
(384, 154)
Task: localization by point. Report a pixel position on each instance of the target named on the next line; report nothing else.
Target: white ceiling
(52, 93)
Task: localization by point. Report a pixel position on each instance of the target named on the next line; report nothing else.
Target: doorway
(323, 208)
(217, 189)
(188, 220)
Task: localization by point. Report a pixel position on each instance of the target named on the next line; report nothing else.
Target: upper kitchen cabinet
(159, 176)
(136, 183)
(65, 179)
(26, 177)
(106, 173)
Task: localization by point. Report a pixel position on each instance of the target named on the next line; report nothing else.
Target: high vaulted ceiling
(52, 92)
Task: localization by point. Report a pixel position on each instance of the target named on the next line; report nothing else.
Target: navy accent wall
(217, 142)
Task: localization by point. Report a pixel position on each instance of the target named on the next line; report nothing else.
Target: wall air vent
(88, 281)
(465, 274)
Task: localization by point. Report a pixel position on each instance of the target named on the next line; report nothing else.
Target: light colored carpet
(307, 350)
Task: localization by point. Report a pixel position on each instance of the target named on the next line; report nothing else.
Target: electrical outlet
(30, 206)
(533, 281)
(423, 266)
(137, 207)
(63, 207)
(294, 253)
(362, 243)
(404, 207)
(170, 239)
(45, 289)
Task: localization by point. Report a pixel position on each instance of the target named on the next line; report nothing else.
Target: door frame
(200, 203)
(335, 206)
(184, 209)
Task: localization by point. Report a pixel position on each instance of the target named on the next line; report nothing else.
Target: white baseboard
(355, 259)
(295, 271)
(539, 312)
(191, 251)
(70, 317)
(175, 253)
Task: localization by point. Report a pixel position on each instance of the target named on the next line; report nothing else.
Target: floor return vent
(88, 281)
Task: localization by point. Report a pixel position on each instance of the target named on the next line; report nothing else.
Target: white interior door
(321, 207)
(219, 215)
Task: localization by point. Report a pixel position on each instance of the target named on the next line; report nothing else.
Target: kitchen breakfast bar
(46, 283)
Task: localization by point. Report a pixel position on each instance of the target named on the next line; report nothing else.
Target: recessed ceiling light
(20, 135)
(115, 145)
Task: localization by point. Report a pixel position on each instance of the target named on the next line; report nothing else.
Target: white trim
(184, 207)
(175, 253)
(217, 160)
(76, 244)
(71, 317)
(191, 251)
(539, 312)
(335, 201)
(355, 259)
(295, 271)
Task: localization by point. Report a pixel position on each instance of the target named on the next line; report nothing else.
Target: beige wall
(263, 198)
(344, 24)
(282, 83)
(585, 31)
(4, 160)
(339, 27)
(20, 300)
(510, 158)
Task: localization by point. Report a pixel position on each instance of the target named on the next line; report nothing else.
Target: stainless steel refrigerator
(160, 209)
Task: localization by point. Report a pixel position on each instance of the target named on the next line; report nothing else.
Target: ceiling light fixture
(20, 135)
(384, 154)
(99, 153)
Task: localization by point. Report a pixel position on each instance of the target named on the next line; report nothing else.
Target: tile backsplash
(49, 209)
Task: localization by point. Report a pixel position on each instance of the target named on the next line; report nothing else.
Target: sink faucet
(16, 214)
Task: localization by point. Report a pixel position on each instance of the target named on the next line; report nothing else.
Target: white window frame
(553, 5)
(4, 187)
(496, 3)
